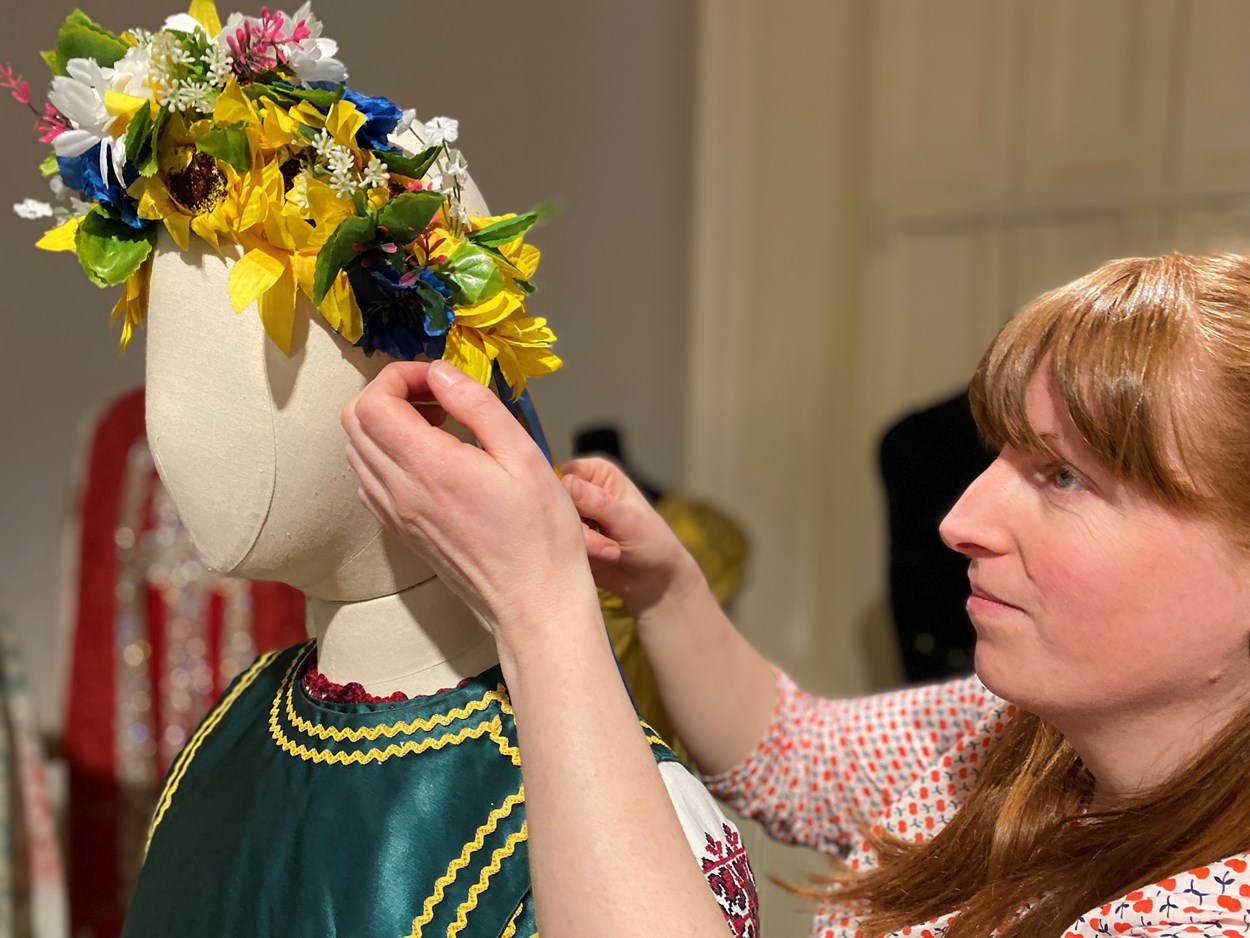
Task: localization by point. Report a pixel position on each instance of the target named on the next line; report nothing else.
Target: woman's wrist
(664, 609)
(548, 623)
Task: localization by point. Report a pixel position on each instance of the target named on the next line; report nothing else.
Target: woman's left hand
(495, 522)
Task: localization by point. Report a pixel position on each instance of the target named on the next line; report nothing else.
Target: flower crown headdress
(247, 134)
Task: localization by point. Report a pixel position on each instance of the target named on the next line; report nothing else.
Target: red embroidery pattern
(728, 872)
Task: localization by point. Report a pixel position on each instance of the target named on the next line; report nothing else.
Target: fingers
(383, 411)
(595, 503)
(476, 408)
(600, 548)
(595, 469)
(606, 474)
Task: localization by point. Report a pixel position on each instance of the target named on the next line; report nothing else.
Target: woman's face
(1093, 602)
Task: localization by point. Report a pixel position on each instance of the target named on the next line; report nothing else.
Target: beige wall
(594, 113)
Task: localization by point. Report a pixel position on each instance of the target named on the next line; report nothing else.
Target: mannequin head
(247, 439)
(246, 135)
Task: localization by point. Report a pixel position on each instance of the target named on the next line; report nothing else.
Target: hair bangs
(1111, 343)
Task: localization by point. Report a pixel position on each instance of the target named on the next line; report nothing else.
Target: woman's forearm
(608, 856)
(718, 690)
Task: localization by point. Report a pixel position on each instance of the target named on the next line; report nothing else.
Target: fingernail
(445, 374)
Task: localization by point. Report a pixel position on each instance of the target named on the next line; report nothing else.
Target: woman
(1093, 779)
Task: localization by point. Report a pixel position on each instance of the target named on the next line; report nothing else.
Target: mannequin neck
(419, 641)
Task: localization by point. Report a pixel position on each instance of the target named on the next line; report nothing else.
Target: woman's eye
(1064, 478)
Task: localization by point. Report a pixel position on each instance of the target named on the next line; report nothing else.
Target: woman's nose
(976, 525)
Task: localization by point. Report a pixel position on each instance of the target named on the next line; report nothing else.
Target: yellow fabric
(60, 238)
(132, 305)
(205, 11)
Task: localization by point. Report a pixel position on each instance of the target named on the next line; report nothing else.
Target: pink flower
(17, 86)
(51, 124)
(258, 44)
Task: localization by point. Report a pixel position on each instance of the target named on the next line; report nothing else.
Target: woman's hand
(494, 523)
(634, 553)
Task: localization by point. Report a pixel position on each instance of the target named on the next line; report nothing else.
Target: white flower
(457, 168)
(80, 97)
(183, 23)
(344, 182)
(441, 130)
(405, 122)
(313, 60)
(169, 47)
(218, 65)
(375, 175)
(188, 95)
(340, 159)
(299, 191)
(132, 73)
(57, 185)
(32, 209)
(460, 213)
(323, 143)
(342, 165)
(440, 183)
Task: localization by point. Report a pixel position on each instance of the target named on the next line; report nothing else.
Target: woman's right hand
(634, 553)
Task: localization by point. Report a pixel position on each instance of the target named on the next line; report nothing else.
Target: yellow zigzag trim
(496, 860)
(389, 730)
(183, 762)
(510, 930)
(456, 865)
(652, 735)
(491, 728)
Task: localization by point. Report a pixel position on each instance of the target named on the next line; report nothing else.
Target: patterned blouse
(907, 760)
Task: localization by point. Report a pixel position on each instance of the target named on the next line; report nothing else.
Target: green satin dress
(286, 816)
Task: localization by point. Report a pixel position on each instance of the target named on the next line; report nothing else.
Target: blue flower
(404, 317)
(382, 117)
(82, 173)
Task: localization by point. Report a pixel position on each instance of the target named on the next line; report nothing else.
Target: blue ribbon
(523, 409)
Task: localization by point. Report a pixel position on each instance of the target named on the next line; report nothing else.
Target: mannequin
(248, 444)
(247, 441)
(367, 782)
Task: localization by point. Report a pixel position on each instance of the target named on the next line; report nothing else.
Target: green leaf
(525, 286)
(228, 144)
(474, 273)
(438, 315)
(110, 250)
(80, 37)
(339, 251)
(49, 58)
(502, 232)
(414, 167)
(285, 94)
(407, 215)
(49, 167)
(139, 148)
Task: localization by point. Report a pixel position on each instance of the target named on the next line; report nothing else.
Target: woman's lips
(983, 599)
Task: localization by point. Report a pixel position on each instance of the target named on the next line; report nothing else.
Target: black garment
(927, 460)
